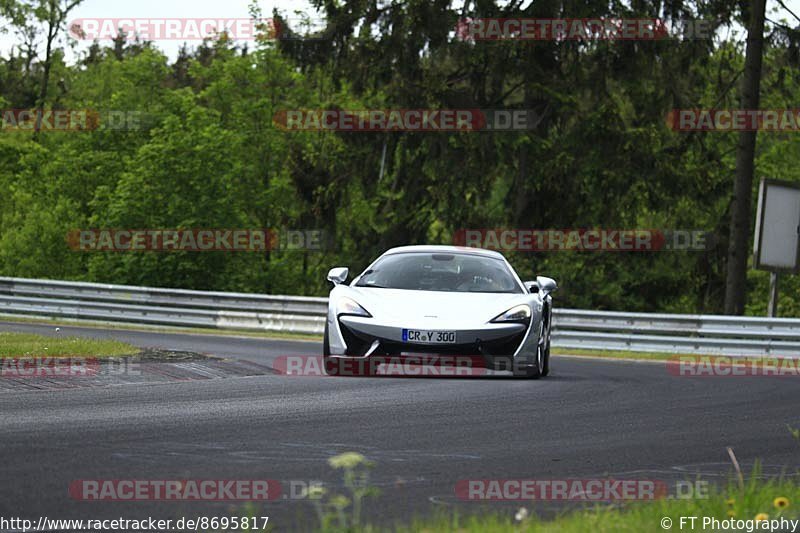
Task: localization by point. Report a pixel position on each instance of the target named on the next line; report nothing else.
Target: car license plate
(420, 336)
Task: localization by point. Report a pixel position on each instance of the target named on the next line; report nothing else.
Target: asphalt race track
(590, 418)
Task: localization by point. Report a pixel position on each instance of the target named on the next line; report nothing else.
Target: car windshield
(450, 272)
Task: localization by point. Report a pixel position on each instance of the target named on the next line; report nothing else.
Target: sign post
(777, 239)
(772, 307)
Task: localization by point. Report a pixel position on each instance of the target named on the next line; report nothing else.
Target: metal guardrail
(572, 328)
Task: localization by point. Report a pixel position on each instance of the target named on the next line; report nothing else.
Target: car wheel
(533, 371)
(546, 349)
(326, 344)
(541, 367)
(329, 364)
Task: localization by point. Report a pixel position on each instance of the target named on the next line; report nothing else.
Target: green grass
(758, 496)
(713, 506)
(755, 497)
(614, 354)
(30, 345)
(564, 352)
(162, 329)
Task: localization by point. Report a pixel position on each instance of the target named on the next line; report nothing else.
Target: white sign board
(777, 240)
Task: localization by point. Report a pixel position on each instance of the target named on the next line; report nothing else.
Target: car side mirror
(532, 286)
(338, 275)
(546, 285)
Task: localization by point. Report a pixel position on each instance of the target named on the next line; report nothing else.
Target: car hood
(397, 304)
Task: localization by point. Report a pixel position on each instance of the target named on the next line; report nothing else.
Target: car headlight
(518, 313)
(348, 306)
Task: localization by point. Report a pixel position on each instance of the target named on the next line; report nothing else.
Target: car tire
(546, 356)
(546, 362)
(329, 364)
(530, 372)
(541, 367)
(326, 343)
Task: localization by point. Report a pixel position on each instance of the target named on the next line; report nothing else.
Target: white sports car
(440, 300)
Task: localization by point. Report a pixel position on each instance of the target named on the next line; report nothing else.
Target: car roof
(429, 248)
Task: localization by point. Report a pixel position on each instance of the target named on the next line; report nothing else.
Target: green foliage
(29, 345)
(202, 150)
(342, 512)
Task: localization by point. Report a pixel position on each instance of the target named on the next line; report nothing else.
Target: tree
(741, 210)
(52, 14)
